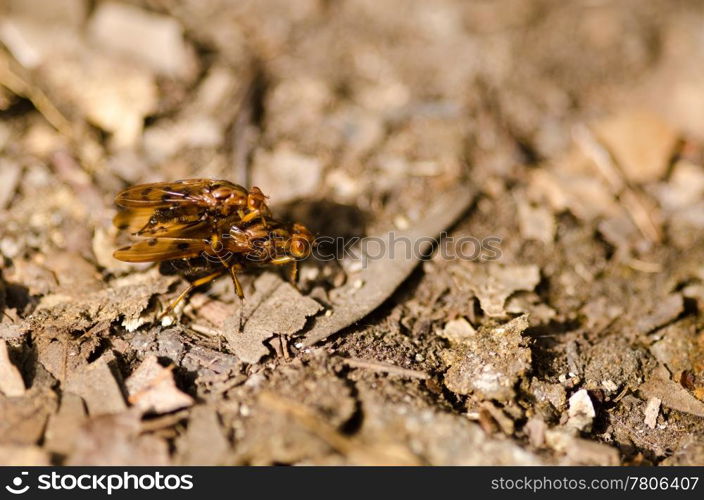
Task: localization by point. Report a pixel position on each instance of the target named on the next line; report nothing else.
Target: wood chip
(652, 409)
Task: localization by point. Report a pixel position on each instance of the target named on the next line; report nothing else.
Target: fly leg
(182, 295)
(234, 269)
(238, 290)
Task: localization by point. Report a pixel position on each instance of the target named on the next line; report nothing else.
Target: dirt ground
(565, 138)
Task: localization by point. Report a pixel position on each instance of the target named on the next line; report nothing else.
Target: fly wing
(166, 194)
(159, 249)
(133, 219)
(181, 221)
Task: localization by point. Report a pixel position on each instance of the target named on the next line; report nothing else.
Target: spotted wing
(166, 194)
(133, 219)
(159, 249)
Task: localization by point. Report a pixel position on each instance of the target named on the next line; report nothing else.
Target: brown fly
(216, 221)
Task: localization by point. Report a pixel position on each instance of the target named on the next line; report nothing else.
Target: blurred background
(580, 124)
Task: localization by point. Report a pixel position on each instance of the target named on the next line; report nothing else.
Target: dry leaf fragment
(23, 456)
(275, 307)
(536, 222)
(11, 383)
(204, 442)
(96, 384)
(641, 143)
(64, 425)
(493, 283)
(585, 196)
(76, 310)
(672, 394)
(24, 418)
(151, 388)
(116, 440)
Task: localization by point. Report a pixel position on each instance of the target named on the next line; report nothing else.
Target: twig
(18, 81)
(244, 130)
(204, 330)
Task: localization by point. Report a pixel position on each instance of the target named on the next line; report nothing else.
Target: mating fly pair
(224, 223)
